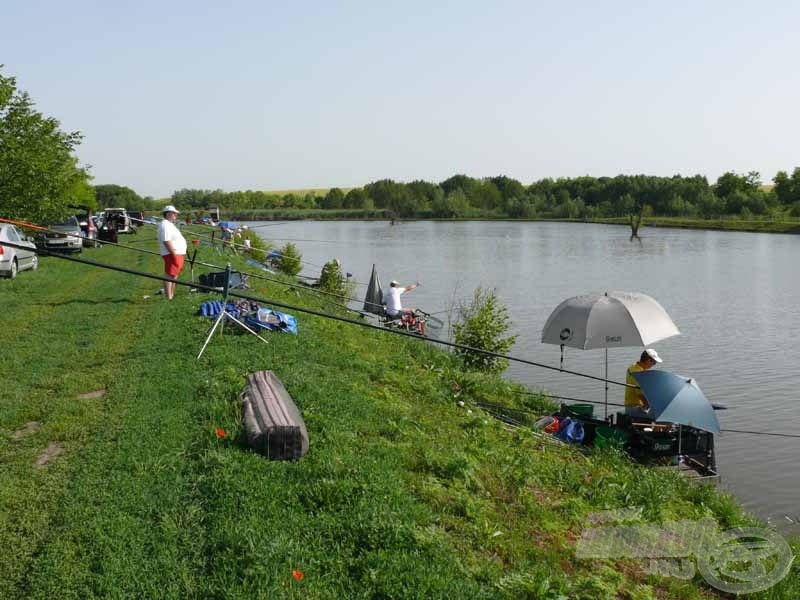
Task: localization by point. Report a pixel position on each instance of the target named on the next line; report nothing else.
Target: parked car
(65, 236)
(137, 217)
(14, 260)
(88, 229)
(119, 220)
(86, 221)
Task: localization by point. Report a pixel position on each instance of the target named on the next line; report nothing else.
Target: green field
(403, 493)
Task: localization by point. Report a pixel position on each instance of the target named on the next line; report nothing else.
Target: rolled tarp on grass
(272, 422)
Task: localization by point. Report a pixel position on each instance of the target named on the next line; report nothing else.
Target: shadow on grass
(85, 301)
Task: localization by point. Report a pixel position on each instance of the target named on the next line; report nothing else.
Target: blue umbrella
(228, 224)
(677, 399)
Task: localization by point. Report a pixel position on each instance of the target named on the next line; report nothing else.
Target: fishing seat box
(272, 422)
(216, 279)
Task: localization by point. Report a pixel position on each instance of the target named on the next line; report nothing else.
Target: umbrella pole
(606, 413)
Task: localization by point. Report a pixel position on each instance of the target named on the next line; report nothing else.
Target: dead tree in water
(636, 222)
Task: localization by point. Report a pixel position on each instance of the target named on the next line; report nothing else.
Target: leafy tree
(356, 198)
(423, 193)
(333, 281)
(486, 196)
(386, 193)
(509, 188)
(118, 196)
(333, 199)
(462, 182)
(39, 175)
(456, 204)
(730, 182)
(787, 188)
(291, 260)
(483, 324)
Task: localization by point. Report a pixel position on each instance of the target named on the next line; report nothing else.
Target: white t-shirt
(167, 232)
(392, 299)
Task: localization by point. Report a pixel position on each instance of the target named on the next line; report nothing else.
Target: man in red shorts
(173, 248)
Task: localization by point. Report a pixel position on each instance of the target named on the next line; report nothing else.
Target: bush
(332, 281)
(482, 324)
(290, 261)
(259, 248)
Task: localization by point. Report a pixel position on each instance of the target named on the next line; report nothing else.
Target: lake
(734, 297)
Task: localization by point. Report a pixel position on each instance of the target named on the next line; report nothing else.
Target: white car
(14, 260)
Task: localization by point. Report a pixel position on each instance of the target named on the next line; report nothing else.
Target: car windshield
(71, 222)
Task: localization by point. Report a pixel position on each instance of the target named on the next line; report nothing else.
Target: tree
(39, 175)
(333, 199)
(730, 182)
(509, 188)
(787, 188)
(333, 281)
(118, 196)
(355, 198)
(456, 204)
(291, 260)
(486, 196)
(483, 324)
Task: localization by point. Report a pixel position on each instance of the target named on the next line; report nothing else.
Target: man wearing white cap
(391, 298)
(635, 403)
(173, 248)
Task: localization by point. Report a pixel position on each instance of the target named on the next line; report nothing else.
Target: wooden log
(272, 422)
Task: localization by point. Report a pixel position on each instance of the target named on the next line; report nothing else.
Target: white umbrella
(608, 320)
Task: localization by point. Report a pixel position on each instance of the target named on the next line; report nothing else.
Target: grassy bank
(403, 493)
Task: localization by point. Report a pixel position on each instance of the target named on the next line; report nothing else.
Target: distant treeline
(461, 196)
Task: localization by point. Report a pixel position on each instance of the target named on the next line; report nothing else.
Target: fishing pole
(230, 243)
(309, 311)
(205, 264)
(273, 252)
(376, 327)
(492, 405)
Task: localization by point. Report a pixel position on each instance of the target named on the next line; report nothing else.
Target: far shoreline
(734, 225)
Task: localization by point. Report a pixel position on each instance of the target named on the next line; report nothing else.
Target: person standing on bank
(173, 248)
(635, 403)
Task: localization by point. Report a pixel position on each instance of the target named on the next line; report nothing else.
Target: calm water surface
(733, 296)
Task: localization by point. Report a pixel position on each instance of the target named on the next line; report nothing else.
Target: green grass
(402, 495)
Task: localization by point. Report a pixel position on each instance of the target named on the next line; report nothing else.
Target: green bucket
(587, 410)
(608, 436)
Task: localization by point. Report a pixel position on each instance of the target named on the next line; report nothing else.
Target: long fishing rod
(229, 242)
(369, 326)
(492, 405)
(246, 248)
(205, 264)
(338, 296)
(252, 226)
(318, 314)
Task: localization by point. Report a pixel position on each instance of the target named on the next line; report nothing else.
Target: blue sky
(262, 95)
